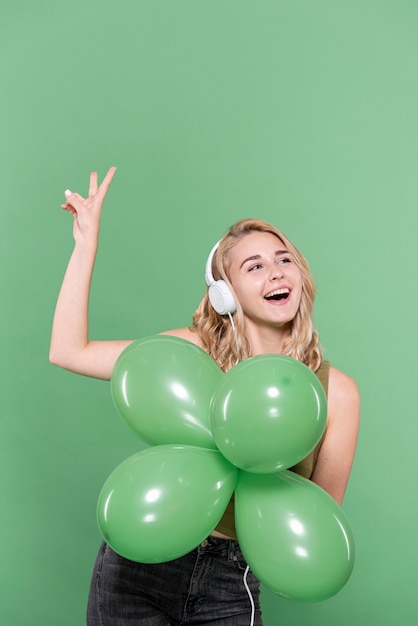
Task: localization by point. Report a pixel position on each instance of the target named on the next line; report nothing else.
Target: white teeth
(277, 292)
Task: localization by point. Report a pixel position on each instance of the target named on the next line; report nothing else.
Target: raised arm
(336, 456)
(70, 344)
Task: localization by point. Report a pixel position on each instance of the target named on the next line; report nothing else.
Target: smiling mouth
(278, 294)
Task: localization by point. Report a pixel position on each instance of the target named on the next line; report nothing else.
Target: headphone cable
(249, 595)
(232, 321)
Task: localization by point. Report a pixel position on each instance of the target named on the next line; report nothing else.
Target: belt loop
(231, 550)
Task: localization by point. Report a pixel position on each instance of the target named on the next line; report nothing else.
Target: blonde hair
(226, 346)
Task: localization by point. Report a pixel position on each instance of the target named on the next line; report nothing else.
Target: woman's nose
(276, 272)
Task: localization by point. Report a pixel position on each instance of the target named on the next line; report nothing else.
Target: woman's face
(266, 279)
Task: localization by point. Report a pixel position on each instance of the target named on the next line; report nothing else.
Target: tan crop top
(305, 467)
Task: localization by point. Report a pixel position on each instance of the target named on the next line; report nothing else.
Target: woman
(269, 292)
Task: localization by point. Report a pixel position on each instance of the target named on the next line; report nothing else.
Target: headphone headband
(219, 294)
(208, 271)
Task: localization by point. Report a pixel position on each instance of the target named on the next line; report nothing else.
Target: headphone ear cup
(221, 298)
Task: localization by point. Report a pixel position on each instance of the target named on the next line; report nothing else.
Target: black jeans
(206, 586)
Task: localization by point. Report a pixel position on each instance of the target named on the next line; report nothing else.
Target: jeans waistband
(221, 547)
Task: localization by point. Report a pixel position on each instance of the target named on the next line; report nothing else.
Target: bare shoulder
(343, 401)
(343, 390)
(189, 334)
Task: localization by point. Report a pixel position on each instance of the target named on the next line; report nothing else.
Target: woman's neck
(266, 339)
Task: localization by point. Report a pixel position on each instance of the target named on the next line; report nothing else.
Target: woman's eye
(284, 259)
(254, 267)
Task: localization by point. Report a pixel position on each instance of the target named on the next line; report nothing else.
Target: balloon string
(249, 595)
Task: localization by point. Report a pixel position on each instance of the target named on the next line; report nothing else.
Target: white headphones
(219, 294)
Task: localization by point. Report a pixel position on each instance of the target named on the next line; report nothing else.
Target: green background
(300, 112)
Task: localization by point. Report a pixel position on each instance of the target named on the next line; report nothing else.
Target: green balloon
(293, 535)
(268, 413)
(163, 501)
(162, 387)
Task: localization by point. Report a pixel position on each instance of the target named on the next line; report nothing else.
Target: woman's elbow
(55, 359)
(59, 358)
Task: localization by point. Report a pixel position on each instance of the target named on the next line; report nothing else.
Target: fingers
(106, 183)
(73, 200)
(93, 184)
(69, 209)
(66, 204)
